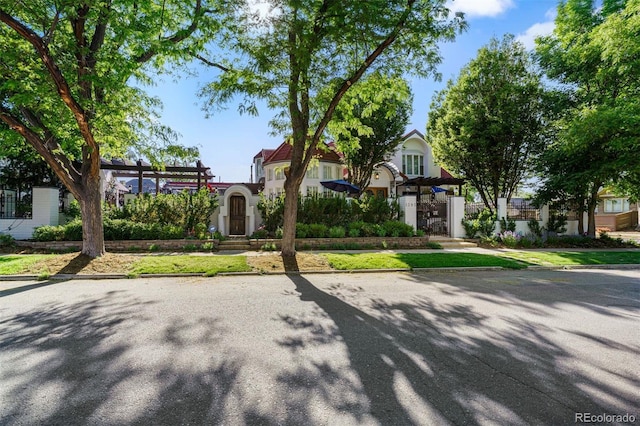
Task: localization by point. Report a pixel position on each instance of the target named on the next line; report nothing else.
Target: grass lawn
(562, 258)
(349, 261)
(207, 265)
(13, 264)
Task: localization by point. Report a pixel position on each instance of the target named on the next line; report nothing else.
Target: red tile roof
(283, 153)
(445, 174)
(264, 153)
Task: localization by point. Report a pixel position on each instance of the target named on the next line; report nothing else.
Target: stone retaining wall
(179, 245)
(119, 246)
(342, 243)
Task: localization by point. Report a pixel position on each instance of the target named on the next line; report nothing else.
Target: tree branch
(46, 148)
(212, 64)
(58, 79)
(178, 36)
(360, 72)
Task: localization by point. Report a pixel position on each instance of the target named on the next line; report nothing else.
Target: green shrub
(49, 233)
(154, 248)
(260, 234)
(189, 247)
(278, 232)
(272, 212)
(73, 230)
(270, 246)
(207, 246)
(557, 224)
(507, 225)
(380, 230)
(337, 232)
(484, 225)
(354, 232)
(535, 228)
(201, 230)
(318, 230)
(7, 240)
(398, 229)
(433, 245)
(420, 233)
(301, 230)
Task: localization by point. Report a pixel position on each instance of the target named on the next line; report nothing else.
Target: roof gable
(283, 153)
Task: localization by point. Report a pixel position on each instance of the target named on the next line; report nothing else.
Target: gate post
(408, 205)
(456, 206)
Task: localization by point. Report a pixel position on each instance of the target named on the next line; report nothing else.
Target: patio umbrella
(340, 185)
(436, 189)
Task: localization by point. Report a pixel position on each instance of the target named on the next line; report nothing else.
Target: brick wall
(117, 246)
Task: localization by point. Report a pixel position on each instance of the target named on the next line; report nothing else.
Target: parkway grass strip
(19, 264)
(571, 258)
(207, 265)
(359, 261)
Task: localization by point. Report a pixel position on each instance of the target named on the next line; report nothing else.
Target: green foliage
(270, 246)
(272, 212)
(189, 247)
(397, 229)
(593, 56)
(67, 89)
(260, 234)
(114, 230)
(330, 212)
(557, 224)
(7, 240)
(483, 226)
(535, 228)
(49, 233)
(303, 59)
(73, 211)
(154, 248)
(317, 230)
(337, 232)
(489, 125)
(507, 225)
(369, 123)
(302, 230)
(190, 212)
(208, 246)
(433, 245)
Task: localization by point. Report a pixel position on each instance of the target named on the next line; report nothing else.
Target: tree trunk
(290, 217)
(92, 227)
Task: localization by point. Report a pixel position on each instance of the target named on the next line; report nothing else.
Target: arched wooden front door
(237, 215)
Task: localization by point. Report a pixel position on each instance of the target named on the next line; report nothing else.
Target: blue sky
(228, 141)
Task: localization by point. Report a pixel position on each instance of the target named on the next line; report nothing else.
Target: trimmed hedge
(114, 230)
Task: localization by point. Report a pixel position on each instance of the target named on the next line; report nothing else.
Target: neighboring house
(413, 158)
(615, 212)
(326, 165)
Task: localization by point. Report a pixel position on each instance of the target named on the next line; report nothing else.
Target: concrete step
(234, 244)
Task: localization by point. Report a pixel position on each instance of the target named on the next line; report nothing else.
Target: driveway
(477, 347)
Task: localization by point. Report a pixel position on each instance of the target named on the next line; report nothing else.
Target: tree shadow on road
(422, 362)
(71, 363)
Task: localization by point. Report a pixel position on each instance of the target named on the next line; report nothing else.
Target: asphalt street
(468, 347)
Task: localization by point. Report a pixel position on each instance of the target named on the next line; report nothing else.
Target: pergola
(434, 181)
(142, 170)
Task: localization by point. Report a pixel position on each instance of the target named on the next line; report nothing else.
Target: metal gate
(433, 215)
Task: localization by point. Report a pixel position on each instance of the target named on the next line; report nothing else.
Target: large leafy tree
(488, 126)
(305, 55)
(66, 74)
(594, 55)
(369, 123)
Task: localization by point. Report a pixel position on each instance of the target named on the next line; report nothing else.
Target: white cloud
(538, 29)
(472, 8)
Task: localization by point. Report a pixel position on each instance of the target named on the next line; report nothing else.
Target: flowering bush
(509, 238)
